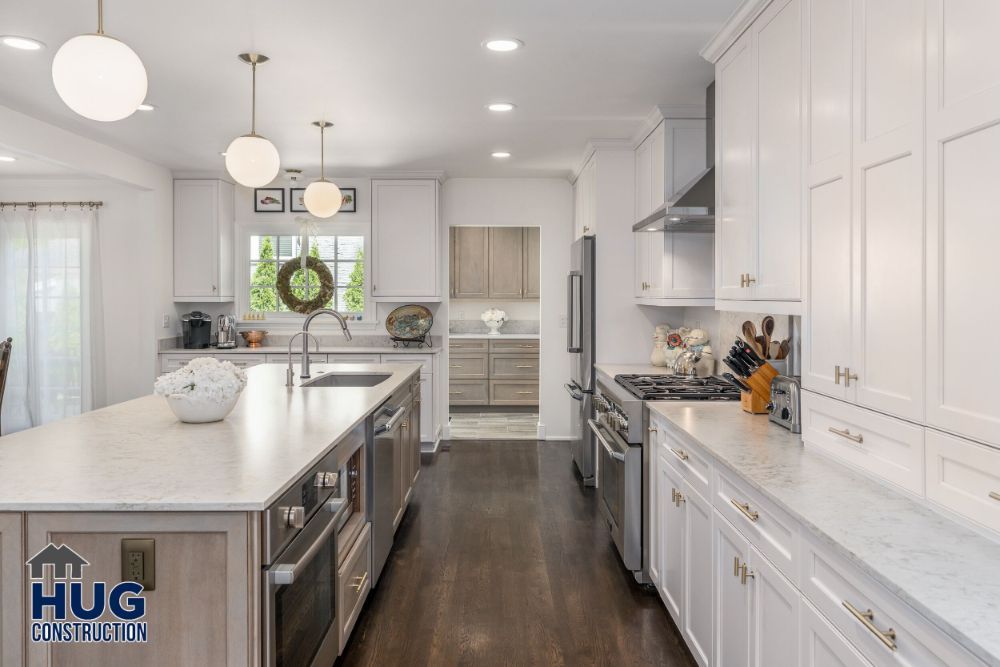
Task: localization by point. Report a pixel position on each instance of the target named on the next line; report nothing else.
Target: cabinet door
(963, 151)
(683, 154)
(506, 263)
(649, 250)
(427, 430)
(654, 517)
(888, 211)
(586, 183)
(697, 618)
(821, 645)
(687, 266)
(644, 178)
(227, 240)
(196, 238)
(778, 47)
(400, 466)
(732, 596)
(735, 227)
(470, 270)
(671, 544)
(405, 238)
(12, 559)
(532, 262)
(774, 628)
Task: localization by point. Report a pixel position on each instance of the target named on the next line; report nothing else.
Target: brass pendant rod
(253, 98)
(100, 17)
(322, 151)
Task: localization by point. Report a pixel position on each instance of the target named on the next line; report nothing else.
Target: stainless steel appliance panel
(620, 471)
(584, 447)
(580, 312)
(384, 478)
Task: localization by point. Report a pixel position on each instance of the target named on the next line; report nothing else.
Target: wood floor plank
(503, 559)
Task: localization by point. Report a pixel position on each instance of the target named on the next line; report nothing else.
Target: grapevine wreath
(284, 286)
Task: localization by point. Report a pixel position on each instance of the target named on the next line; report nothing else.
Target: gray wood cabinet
(11, 589)
(470, 269)
(532, 262)
(506, 263)
(494, 372)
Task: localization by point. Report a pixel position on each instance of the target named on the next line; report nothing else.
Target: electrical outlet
(139, 561)
(562, 321)
(166, 322)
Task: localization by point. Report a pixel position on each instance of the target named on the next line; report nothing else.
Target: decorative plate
(410, 321)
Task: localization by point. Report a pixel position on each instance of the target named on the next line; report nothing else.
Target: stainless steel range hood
(692, 208)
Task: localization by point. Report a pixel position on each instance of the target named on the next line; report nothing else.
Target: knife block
(755, 401)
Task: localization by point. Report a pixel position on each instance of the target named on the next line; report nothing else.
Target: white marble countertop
(502, 336)
(611, 370)
(136, 456)
(945, 571)
(297, 350)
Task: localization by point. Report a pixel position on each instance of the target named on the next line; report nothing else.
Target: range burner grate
(678, 388)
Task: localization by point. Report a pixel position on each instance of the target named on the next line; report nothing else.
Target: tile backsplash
(479, 327)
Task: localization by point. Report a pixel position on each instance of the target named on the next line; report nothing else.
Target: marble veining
(945, 571)
(136, 456)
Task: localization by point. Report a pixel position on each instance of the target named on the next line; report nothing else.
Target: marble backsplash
(479, 327)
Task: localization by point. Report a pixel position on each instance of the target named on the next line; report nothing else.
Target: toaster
(785, 406)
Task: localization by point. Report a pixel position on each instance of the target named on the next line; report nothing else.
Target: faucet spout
(305, 339)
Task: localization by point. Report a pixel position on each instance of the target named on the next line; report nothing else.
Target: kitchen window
(341, 247)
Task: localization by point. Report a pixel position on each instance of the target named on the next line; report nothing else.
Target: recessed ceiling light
(145, 107)
(503, 45)
(500, 154)
(7, 158)
(22, 43)
(501, 106)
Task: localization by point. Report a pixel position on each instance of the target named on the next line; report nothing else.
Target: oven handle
(574, 391)
(391, 424)
(284, 574)
(597, 428)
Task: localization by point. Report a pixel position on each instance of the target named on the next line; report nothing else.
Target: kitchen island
(201, 491)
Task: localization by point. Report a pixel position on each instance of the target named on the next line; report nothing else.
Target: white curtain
(50, 304)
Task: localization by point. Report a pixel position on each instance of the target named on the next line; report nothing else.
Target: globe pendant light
(99, 77)
(252, 160)
(322, 198)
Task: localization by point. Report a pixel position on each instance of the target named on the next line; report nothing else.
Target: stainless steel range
(620, 428)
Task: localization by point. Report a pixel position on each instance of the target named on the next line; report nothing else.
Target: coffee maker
(196, 330)
(226, 332)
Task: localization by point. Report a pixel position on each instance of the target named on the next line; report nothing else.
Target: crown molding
(439, 176)
(662, 112)
(594, 145)
(737, 23)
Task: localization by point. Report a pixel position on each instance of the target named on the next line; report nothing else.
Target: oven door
(620, 492)
(300, 602)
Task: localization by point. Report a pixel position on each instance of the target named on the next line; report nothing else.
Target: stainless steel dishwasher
(383, 489)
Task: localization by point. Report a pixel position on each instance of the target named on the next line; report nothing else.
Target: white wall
(140, 200)
(548, 204)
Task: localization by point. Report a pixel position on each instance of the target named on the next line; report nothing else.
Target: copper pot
(254, 337)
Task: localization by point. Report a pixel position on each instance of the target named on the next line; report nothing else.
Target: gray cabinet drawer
(469, 392)
(520, 345)
(469, 345)
(513, 366)
(513, 392)
(353, 585)
(468, 366)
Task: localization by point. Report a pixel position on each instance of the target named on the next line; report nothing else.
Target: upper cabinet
(495, 263)
(204, 243)
(585, 200)
(668, 159)
(405, 240)
(759, 164)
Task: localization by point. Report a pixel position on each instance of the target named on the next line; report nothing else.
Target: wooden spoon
(773, 350)
(767, 328)
(750, 335)
(785, 347)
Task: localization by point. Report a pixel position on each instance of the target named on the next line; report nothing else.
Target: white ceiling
(404, 82)
(29, 167)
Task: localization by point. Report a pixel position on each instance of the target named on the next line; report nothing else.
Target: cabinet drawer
(883, 446)
(513, 366)
(169, 364)
(821, 645)
(469, 345)
(468, 366)
(353, 584)
(426, 361)
(964, 476)
(469, 392)
(692, 463)
(513, 345)
(768, 528)
(845, 596)
(346, 358)
(513, 392)
(314, 358)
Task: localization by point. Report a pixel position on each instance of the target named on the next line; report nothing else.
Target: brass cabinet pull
(524, 366)
(457, 366)
(743, 280)
(527, 347)
(677, 497)
(745, 573)
(680, 453)
(745, 508)
(456, 392)
(750, 281)
(867, 618)
(736, 566)
(846, 433)
(836, 374)
(994, 495)
(651, 429)
(525, 392)
(360, 582)
(848, 376)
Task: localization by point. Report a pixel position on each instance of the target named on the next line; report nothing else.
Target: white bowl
(200, 412)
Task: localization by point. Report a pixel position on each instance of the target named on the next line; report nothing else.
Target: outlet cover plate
(139, 561)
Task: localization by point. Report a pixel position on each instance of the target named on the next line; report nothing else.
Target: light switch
(139, 561)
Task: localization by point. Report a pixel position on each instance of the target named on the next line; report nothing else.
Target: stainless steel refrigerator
(580, 325)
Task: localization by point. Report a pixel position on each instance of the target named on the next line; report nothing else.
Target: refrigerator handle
(574, 325)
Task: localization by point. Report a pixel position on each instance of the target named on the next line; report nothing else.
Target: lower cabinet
(732, 596)
(670, 537)
(11, 589)
(822, 646)
(493, 372)
(353, 583)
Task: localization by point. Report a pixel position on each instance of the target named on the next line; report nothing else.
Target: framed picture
(350, 203)
(269, 200)
(296, 201)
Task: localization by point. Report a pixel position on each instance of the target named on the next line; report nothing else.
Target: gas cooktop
(678, 388)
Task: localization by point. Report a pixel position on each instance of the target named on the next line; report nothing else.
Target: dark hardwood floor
(503, 559)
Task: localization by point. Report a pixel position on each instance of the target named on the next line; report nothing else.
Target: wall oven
(304, 530)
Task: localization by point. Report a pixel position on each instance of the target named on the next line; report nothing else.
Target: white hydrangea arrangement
(204, 380)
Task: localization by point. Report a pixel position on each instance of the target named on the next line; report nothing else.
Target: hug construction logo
(60, 613)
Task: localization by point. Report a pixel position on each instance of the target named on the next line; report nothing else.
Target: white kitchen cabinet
(732, 595)
(964, 476)
(405, 247)
(204, 242)
(428, 390)
(758, 164)
(671, 537)
(821, 645)
(774, 616)
(675, 268)
(174, 361)
(697, 617)
(669, 158)
(963, 154)
(653, 515)
(585, 199)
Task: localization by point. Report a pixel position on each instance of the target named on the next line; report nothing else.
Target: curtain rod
(50, 204)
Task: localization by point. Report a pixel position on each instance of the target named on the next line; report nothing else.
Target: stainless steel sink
(347, 380)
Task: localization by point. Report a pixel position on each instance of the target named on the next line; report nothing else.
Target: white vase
(200, 412)
(658, 358)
